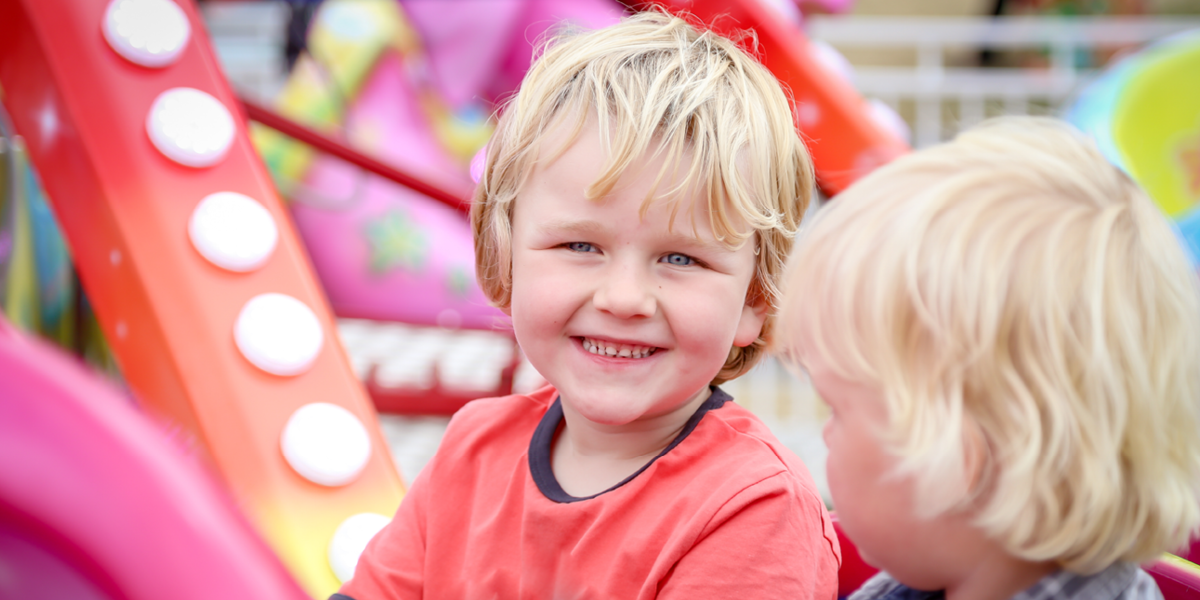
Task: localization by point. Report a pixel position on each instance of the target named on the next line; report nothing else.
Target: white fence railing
(949, 98)
(249, 39)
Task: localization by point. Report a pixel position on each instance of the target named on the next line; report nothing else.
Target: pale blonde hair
(1033, 324)
(654, 81)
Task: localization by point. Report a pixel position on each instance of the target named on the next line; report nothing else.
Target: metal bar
(458, 199)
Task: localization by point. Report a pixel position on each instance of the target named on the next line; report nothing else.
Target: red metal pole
(445, 193)
(834, 120)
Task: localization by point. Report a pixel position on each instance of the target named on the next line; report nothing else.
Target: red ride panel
(168, 312)
(833, 118)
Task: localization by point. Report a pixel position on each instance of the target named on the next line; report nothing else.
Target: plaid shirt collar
(1120, 581)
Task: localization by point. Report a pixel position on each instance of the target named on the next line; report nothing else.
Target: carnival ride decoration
(198, 281)
(96, 502)
(367, 75)
(1144, 115)
(374, 242)
(408, 85)
(844, 137)
(34, 252)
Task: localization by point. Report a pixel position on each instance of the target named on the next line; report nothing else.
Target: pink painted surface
(381, 250)
(1177, 578)
(96, 502)
(482, 49)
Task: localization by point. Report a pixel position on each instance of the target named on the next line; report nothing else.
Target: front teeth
(619, 350)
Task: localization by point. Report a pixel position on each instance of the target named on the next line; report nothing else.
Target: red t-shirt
(724, 512)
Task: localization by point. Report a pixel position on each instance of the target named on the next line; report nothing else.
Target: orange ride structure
(198, 281)
(834, 121)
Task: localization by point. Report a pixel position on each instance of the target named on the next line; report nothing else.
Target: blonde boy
(638, 201)
(1008, 334)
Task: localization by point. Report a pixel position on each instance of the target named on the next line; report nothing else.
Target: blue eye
(679, 260)
(581, 247)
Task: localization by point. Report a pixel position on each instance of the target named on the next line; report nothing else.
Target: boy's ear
(975, 457)
(754, 314)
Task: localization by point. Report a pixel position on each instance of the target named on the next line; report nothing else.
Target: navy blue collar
(542, 444)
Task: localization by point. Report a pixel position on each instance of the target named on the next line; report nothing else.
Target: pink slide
(97, 503)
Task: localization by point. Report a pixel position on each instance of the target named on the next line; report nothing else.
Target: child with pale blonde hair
(638, 202)
(1008, 335)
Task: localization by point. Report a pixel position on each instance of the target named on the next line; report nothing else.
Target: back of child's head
(1033, 325)
(655, 83)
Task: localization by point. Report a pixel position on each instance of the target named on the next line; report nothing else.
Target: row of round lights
(277, 333)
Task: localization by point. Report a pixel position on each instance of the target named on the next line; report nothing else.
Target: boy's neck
(588, 457)
(999, 577)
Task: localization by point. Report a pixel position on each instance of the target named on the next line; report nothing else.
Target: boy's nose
(623, 292)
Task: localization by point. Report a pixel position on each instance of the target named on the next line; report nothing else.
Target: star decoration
(458, 281)
(396, 241)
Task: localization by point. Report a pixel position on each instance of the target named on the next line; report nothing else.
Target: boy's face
(628, 318)
(873, 504)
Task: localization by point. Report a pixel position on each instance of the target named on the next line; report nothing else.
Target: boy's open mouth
(614, 349)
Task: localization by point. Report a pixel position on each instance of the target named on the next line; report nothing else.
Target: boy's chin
(618, 409)
(602, 411)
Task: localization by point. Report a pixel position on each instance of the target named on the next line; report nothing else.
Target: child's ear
(754, 314)
(975, 457)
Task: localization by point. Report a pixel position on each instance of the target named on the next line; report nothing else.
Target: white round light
(278, 334)
(350, 540)
(151, 33)
(326, 444)
(191, 127)
(233, 231)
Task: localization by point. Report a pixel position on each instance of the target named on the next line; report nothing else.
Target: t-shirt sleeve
(392, 565)
(771, 540)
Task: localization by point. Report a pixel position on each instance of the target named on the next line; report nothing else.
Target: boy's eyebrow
(572, 226)
(695, 244)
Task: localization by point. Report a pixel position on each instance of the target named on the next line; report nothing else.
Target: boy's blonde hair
(653, 81)
(1034, 326)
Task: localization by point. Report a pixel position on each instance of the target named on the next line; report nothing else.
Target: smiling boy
(637, 204)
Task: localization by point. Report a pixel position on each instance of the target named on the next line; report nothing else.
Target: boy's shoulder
(733, 459)
(734, 431)
(741, 453)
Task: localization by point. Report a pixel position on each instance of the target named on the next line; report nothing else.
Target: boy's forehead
(573, 140)
(563, 132)
(581, 131)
